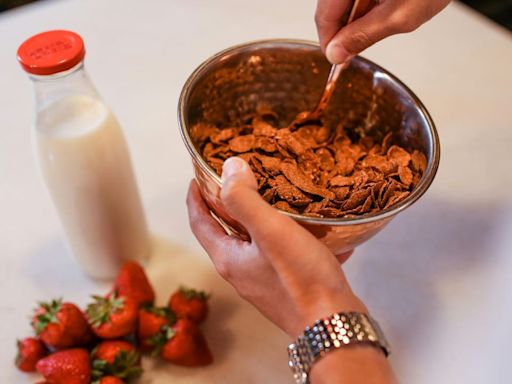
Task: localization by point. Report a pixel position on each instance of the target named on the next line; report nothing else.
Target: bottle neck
(73, 82)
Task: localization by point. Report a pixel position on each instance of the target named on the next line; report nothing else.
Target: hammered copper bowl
(289, 76)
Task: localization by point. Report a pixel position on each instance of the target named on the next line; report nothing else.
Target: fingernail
(232, 166)
(336, 53)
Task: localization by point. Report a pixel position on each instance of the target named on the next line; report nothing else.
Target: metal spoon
(359, 8)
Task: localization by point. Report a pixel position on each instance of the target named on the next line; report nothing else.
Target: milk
(85, 163)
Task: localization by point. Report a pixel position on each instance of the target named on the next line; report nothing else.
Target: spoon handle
(330, 85)
(359, 8)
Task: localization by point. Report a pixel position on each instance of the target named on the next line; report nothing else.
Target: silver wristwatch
(337, 331)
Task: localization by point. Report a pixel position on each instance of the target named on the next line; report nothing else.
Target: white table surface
(439, 277)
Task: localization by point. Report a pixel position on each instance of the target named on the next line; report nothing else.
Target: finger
(241, 198)
(329, 17)
(227, 253)
(207, 230)
(279, 237)
(380, 22)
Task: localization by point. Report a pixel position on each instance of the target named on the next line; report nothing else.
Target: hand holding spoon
(359, 8)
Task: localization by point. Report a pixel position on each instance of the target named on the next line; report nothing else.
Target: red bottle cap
(51, 52)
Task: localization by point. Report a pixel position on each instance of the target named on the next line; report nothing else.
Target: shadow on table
(401, 272)
(225, 329)
(54, 272)
(172, 266)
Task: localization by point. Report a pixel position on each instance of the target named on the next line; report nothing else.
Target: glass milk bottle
(83, 157)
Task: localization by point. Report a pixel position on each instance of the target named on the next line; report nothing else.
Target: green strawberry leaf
(42, 320)
(101, 308)
(190, 293)
(19, 357)
(99, 368)
(126, 366)
(160, 312)
(158, 340)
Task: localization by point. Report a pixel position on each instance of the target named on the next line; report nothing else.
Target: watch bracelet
(330, 333)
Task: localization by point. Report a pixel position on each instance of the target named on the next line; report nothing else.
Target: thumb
(279, 237)
(378, 23)
(241, 199)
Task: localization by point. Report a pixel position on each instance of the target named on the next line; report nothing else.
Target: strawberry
(151, 321)
(116, 358)
(71, 366)
(189, 303)
(109, 350)
(61, 325)
(30, 351)
(132, 281)
(112, 316)
(185, 344)
(110, 380)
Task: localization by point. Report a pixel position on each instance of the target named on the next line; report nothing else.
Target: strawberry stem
(126, 366)
(159, 339)
(164, 312)
(49, 316)
(191, 293)
(100, 310)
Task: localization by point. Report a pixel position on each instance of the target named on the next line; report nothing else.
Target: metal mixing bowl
(289, 76)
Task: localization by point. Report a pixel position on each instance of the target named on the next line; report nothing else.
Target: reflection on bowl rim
(420, 189)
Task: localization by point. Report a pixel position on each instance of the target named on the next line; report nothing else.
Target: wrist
(343, 347)
(357, 364)
(325, 305)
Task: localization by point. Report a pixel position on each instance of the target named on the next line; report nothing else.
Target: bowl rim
(419, 191)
